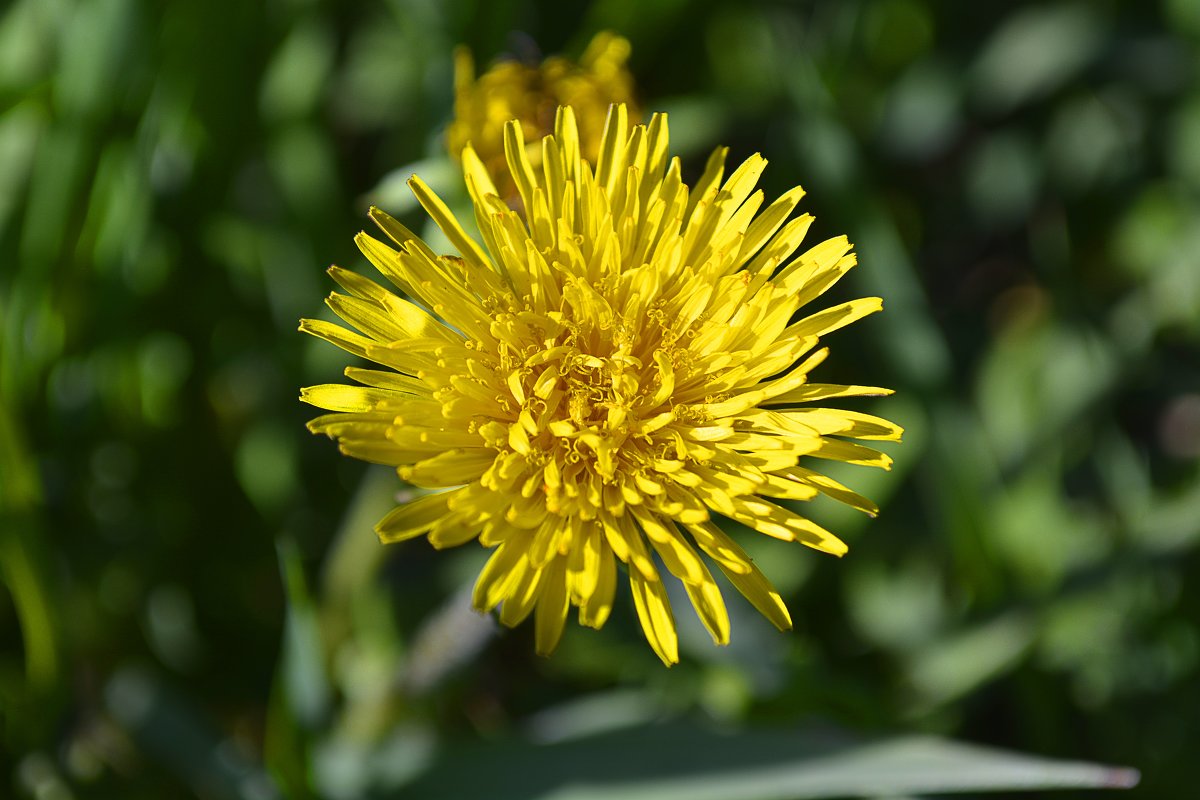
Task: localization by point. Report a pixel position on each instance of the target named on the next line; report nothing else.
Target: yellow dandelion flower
(604, 382)
(530, 94)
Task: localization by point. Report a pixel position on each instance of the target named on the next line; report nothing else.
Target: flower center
(583, 416)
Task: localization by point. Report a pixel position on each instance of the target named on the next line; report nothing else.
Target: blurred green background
(192, 602)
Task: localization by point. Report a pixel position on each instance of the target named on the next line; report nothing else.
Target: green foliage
(191, 598)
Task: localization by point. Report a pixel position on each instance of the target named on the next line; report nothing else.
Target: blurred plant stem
(361, 645)
(355, 556)
(22, 560)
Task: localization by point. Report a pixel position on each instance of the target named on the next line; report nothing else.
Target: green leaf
(1034, 52)
(23, 562)
(686, 762)
(302, 667)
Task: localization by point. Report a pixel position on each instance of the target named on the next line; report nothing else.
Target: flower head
(530, 94)
(602, 380)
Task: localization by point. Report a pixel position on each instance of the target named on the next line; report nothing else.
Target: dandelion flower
(530, 94)
(603, 382)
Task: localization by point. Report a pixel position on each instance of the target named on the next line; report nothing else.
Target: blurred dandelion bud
(530, 94)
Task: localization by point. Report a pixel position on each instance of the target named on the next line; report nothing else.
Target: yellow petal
(399, 234)
(403, 384)
(518, 161)
(339, 397)
(720, 548)
(595, 610)
(498, 576)
(810, 392)
(755, 587)
(626, 542)
(836, 421)
(551, 608)
(450, 226)
(347, 340)
(479, 182)
(710, 606)
(767, 223)
(766, 517)
(413, 518)
(851, 453)
(832, 488)
(680, 558)
(839, 316)
(451, 468)
(523, 592)
(654, 612)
